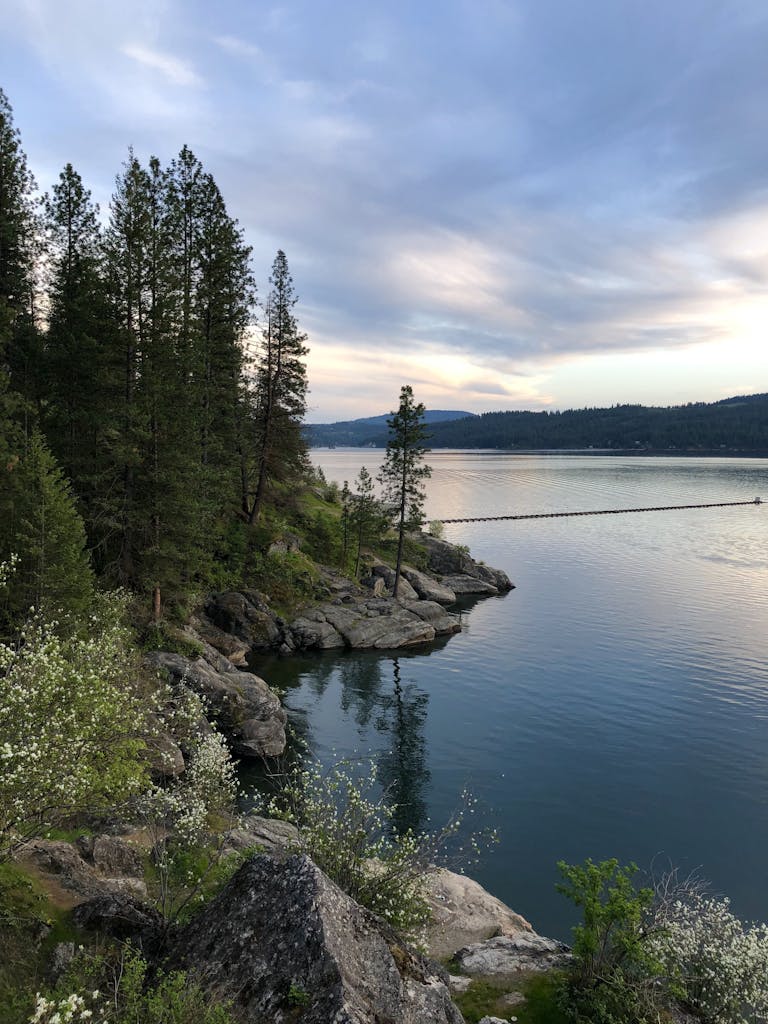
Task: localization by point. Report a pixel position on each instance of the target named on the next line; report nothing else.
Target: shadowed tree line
(147, 415)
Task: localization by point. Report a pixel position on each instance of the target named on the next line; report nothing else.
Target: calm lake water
(614, 704)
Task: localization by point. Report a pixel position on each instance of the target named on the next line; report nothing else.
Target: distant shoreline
(706, 453)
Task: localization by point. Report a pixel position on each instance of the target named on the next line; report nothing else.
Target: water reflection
(403, 768)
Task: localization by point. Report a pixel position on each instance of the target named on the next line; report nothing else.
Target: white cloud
(177, 71)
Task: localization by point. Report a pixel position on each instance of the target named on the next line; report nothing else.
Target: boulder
(112, 856)
(243, 705)
(463, 912)
(448, 560)
(443, 558)
(266, 835)
(281, 928)
(427, 588)
(379, 623)
(313, 631)
(443, 623)
(122, 917)
(508, 955)
(496, 577)
(463, 584)
(64, 871)
(246, 616)
(405, 591)
(218, 647)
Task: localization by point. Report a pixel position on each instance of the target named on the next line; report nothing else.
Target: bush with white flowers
(189, 817)
(346, 825)
(70, 723)
(717, 964)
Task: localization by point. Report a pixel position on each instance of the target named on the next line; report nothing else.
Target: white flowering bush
(717, 965)
(70, 724)
(189, 817)
(70, 1009)
(346, 826)
(126, 997)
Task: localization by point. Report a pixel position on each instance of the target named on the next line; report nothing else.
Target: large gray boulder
(448, 560)
(443, 623)
(405, 591)
(463, 912)
(427, 588)
(463, 584)
(243, 705)
(512, 954)
(379, 623)
(282, 931)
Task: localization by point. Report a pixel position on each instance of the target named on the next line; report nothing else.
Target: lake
(614, 704)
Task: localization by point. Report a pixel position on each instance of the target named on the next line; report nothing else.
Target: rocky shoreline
(281, 926)
(234, 627)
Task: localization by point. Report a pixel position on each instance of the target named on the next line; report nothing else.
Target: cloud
(494, 197)
(176, 71)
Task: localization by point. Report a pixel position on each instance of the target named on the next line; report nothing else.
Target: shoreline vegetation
(160, 525)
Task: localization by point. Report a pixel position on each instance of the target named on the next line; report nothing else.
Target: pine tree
(280, 388)
(404, 470)
(41, 526)
(20, 346)
(79, 398)
(364, 514)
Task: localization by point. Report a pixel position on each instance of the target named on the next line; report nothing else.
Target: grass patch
(541, 1006)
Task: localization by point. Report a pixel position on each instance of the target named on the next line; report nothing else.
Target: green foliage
(114, 987)
(40, 524)
(162, 636)
(30, 926)
(615, 968)
(542, 1000)
(347, 828)
(279, 397)
(297, 996)
(404, 471)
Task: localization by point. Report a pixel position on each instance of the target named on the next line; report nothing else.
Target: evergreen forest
(150, 404)
(738, 424)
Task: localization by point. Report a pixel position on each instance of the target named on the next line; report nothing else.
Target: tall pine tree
(280, 388)
(20, 345)
(404, 470)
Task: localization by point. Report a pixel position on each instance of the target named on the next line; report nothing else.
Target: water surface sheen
(614, 704)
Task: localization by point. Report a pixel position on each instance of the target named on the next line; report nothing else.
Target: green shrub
(615, 969)
(112, 988)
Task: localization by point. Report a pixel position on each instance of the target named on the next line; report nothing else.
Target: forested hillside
(148, 417)
(734, 424)
(370, 430)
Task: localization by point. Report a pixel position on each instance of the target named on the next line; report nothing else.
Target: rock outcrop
(110, 865)
(241, 703)
(370, 622)
(452, 563)
(463, 912)
(280, 934)
(122, 917)
(512, 954)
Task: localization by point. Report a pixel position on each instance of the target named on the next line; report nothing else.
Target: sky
(508, 204)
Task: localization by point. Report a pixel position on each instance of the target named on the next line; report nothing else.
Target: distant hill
(732, 424)
(370, 430)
